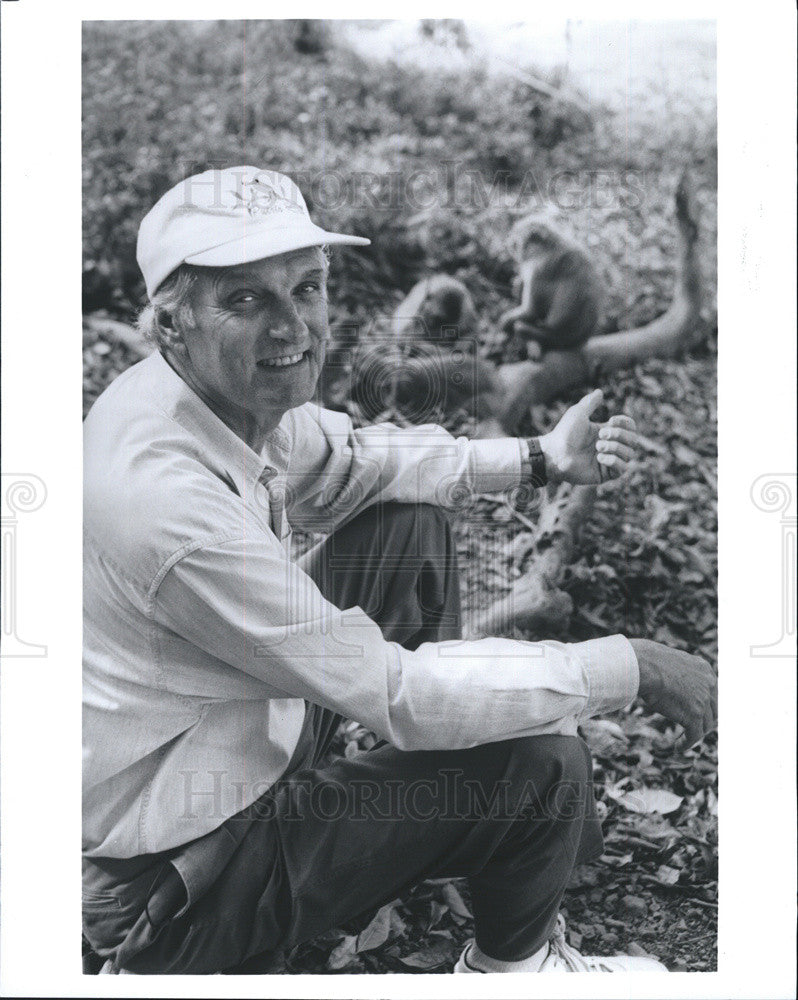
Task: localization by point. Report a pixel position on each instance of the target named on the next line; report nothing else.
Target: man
(217, 669)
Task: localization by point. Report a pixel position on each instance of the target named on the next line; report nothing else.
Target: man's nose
(288, 325)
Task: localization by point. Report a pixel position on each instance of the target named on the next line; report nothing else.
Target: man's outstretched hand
(682, 687)
(581, 452)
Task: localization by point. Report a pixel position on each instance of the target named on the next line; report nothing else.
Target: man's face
(260, 331)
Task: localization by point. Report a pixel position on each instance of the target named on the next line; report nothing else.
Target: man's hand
(579, 451)
(681, 687)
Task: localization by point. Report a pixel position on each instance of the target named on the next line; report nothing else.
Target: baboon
(561, 292)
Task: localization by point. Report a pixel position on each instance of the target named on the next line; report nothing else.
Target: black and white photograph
(397, 593)
(404, 305)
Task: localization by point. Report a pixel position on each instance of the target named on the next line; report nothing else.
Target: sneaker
(563, 958)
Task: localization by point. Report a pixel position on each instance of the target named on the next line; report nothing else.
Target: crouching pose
(217, 668)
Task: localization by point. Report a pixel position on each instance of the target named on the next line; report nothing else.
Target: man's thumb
(587, 404)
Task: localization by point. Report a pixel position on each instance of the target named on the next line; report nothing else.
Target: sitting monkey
(561, 292)
(432, 363)
(439, 310)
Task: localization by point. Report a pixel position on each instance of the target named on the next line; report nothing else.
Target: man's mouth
(284, 361)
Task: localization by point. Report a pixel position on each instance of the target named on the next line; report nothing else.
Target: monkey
(432, 363)
(423, 385)
(561, 292)
(438, 310)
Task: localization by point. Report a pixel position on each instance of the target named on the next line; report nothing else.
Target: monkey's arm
(524, 311)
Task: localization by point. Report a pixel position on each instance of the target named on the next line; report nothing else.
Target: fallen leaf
(398, 926)
(377, 932)
(603, 735)
(647, 800)
(660, 512)
(438, 953)
(617, 860)
(437, 912)
(644, 757)
(685, 455)
(667, 875)
(455, 901)
(593, 618)
(344, 954)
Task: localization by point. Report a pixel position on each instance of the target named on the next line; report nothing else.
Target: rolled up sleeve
(244, 602)
(336, 470)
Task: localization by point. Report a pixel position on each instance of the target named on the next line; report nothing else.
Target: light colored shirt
(202, 638)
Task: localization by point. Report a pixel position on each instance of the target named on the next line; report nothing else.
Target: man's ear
(169, 334)
(164, 319)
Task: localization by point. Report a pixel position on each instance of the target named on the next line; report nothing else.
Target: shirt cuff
(496, 463)
(612, 672)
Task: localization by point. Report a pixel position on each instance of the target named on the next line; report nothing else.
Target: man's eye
(308, 287)
(242, 298)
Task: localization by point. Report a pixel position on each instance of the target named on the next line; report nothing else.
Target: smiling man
(217, 668)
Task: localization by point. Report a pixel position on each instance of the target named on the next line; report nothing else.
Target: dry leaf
(667, 875)
(646, 800)
(377, 932)
(343, 954)
(455, 902)
(438, 953)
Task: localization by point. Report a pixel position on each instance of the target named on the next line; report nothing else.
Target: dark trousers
(330, 842)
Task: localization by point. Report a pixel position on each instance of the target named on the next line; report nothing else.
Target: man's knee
(553, 772)
(563, 757)
(393, 523)
(423, 517)
(420, 532)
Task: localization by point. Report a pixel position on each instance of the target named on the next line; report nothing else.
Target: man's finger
(610, 461)
(621, 420)
(587, 404)
(615, 448)
(616, 433)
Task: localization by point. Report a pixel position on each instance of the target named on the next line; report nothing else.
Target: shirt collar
(222, 446)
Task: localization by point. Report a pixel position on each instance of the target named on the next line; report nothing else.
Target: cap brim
(258, 244)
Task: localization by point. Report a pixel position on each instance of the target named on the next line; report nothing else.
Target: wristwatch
(533, 464)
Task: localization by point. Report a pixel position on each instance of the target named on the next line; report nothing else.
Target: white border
(41, 434)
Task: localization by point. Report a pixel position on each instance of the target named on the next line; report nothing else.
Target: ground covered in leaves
(647, 557)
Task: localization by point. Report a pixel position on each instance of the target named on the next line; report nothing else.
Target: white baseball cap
(225, 217)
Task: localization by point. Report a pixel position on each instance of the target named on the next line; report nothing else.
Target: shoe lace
(561, 951)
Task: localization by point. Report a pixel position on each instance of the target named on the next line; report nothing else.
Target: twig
(535, 83)
(522, 518)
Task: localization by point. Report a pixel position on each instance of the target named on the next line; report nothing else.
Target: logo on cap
(260, 198)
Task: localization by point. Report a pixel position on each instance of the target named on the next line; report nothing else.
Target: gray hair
(172, 297)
